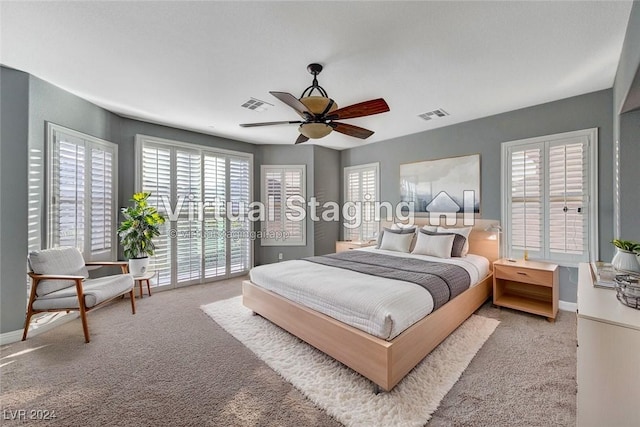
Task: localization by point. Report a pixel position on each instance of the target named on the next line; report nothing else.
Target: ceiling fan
(319, 112)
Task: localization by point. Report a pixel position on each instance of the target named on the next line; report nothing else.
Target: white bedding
(378, 306)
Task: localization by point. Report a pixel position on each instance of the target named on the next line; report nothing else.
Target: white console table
(608, 357)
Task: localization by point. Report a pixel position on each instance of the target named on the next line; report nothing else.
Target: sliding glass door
(204, 193)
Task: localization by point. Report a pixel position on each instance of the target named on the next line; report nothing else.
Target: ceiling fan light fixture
(315, 130)
(319, 105)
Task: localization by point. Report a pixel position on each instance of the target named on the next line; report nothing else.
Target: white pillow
(431, 228)
(397, 242)
(463, 231)
(438, 246)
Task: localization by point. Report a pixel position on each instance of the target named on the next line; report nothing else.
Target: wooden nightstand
(529, 286)
(346, 245)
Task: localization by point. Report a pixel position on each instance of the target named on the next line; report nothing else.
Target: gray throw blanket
(443, 281)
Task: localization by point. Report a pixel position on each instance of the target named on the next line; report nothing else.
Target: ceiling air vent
(433, 114)
(256, 105)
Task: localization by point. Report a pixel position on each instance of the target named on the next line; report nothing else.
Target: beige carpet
(344, 394)
(170, 365)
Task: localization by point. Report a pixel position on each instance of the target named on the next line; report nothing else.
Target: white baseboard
(568, 306)
(15, 336)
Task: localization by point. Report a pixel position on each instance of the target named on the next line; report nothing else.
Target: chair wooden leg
(133, 301)
(26, 323)
(85, 326)
(32, 297)
(83, 310)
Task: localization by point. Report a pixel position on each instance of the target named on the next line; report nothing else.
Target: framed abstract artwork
(450, 185)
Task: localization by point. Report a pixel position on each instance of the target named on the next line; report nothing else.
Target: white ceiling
(192, 64)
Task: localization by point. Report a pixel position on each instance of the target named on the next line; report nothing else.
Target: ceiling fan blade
(251, 125)
(352, 130)
(294, 103)
(301, 139)
(366, 108)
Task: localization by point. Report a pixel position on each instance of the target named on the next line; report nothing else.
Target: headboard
(481, 241)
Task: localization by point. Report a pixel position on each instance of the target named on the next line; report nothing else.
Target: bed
(385, 360)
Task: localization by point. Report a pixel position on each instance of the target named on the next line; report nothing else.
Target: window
(283, 196)
(204, 192)
(81, 205)
(361, 188)
(549, 197)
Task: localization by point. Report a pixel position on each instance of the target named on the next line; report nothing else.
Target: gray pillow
(394, 230)
(458, 241)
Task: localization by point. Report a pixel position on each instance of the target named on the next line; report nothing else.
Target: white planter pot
(625, 260)
(138, 266)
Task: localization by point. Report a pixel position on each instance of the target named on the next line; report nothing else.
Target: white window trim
(51, 129)
(592, 135)
(286, 242)
(345, 173)
(142, 139)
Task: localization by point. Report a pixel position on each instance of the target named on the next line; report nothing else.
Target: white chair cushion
(62, 261)
(95, 291)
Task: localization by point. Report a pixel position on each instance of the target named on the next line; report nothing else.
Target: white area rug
(343, 393)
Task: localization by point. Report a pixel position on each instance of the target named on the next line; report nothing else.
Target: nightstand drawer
(524, 275)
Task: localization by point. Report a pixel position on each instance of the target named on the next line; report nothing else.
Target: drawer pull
(522, 273)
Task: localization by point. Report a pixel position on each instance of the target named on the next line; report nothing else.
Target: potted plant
(626, 257)
(141, 224)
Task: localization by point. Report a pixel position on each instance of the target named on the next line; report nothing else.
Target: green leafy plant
(626, 245)
(141, 224)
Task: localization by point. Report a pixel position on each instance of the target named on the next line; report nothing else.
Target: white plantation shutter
(361, 186)
(527, 200)
(156, 179)
(82, 193)
(102, 214)
(282, 187)
(36, 191)
(196, 182)
(568, 198)
(551, 204)
(215, 191)
(188, 227)
(239, 226)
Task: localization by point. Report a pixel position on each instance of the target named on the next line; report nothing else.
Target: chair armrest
(54, 277)
(118, 263)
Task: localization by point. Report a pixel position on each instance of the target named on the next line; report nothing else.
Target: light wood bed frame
(385, 363)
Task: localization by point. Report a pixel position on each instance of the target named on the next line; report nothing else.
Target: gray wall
(485, 136)
(327, 178)
(627, 131)
(285, 155)
(14, 134)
